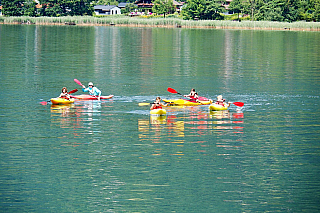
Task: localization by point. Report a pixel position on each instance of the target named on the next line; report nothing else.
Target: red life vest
(157, 106)
(220, 103)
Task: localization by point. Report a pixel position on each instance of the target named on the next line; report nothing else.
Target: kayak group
(156, 107)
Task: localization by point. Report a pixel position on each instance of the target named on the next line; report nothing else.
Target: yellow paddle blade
(144, 104)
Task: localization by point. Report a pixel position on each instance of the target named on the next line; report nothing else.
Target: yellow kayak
(62, 101)
(217, 107)
(158, 112)
(187, 102)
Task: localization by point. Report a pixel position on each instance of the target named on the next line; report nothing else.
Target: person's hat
(90, 84)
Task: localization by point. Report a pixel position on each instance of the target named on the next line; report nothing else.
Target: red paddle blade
(44, 103)
(239, 104)
(77, 81)
(171, 90)
(73, 91)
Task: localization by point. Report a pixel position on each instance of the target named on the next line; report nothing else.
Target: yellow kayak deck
(62, 101)
(217, 107)
(186, 102)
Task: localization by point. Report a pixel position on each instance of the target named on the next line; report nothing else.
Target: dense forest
(258, 10)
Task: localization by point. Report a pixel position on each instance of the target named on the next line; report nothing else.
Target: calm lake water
(112, 156)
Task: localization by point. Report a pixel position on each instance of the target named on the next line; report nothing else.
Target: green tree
(12, 7)
(50, 8)
(77, 7)
(279, 10)
(251, 7)
(30, 8)
(316, 12)
(271, 11)
(163, 7)
(309, 10)
(129, 8)
(66, 7)
(194, 9)
(213, 10)
(107, 2)
(236, 6)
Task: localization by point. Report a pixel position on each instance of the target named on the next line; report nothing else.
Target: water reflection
(190, 122)
(62, 110)
(80, 115)
(176, 125)
(224, 120)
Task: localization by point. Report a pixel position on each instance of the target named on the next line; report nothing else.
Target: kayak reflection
(63, 110)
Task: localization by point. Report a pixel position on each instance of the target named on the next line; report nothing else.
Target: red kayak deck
(90, 97)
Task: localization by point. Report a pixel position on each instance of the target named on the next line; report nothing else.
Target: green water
(112, 156)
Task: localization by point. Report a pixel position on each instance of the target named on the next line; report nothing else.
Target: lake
(112, 156)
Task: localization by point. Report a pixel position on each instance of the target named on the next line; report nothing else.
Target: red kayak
(90, 97)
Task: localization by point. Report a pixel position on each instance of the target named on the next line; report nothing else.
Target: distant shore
(124, 21)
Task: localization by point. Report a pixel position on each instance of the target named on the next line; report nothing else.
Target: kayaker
(64, 93)
(94, 91)
(157, 104)
(192, 95)
(221, 101)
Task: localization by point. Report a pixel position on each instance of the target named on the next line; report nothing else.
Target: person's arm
(164, 105)
(97, 91)
(84, 89)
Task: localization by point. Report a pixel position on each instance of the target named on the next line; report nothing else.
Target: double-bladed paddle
(46, 102)
(173, 91)
(239, 104)
(78, 82)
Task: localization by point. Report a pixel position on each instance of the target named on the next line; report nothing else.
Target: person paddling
(193, 95)
(94, 91)
(221, 101)
(157, 104)
(64, 93)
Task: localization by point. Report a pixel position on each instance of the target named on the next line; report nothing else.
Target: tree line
(258, 10)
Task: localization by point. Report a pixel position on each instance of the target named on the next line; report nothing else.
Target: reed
(159, 21)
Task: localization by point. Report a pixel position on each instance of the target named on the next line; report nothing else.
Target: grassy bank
(160, 22)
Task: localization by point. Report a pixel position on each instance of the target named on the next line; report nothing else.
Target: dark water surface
(112, 156)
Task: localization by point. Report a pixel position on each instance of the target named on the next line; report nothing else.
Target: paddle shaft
(78, 82)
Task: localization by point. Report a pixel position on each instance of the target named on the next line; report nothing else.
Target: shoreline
(178, 24)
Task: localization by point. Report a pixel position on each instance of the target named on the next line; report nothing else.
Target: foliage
(236, 6)
(194, 9)
(12, 7)
(65, 7)
(30, 8)
(106, 2)
(129, 8)
(163, 7)
(262, 10)
(213, 10)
